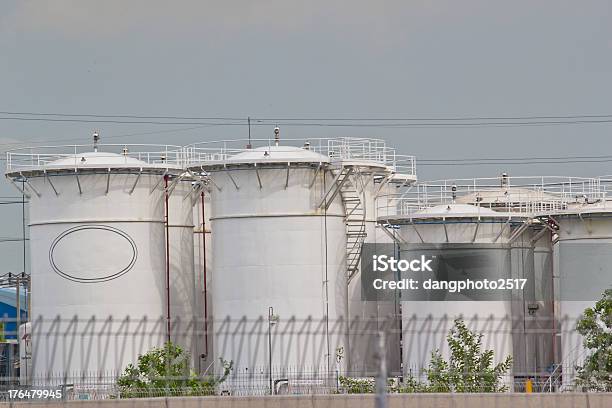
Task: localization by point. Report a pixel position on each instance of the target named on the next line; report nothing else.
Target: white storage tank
(101, 252)
(465, 238)
(498, 226)
(281, 213)
(278, 261)
(583, 254)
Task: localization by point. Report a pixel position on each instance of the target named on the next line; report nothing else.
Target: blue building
(8, 300)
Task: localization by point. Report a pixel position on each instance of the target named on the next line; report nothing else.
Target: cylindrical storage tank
(99, 254)
(278, 257)
(466, 241)
(583, 255)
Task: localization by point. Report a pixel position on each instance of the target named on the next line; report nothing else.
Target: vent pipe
(96, 139)
(504, 180)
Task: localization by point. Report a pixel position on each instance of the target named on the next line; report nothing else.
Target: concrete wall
(577, 400)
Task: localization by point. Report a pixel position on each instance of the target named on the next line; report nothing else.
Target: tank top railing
(533, 195)
(41, 157)
(374, 151)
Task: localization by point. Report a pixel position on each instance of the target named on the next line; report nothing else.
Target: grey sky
(317, 58)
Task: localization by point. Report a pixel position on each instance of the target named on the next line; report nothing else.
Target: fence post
(381, 379)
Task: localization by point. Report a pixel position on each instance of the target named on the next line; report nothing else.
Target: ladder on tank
(352, 193)
(348, 182)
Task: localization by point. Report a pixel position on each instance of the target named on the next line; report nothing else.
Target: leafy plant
(357, 385)
(166, 371)
(469, 368)
(360, 385)
(596, 328)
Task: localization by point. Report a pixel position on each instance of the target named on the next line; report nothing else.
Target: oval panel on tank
(92, 253)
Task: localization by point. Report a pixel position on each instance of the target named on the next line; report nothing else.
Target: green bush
(469, 368)
(357, 385)
(166, 371)
(596, 328)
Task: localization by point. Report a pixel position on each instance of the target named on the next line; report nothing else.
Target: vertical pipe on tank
(168, 328)
(23, 225)
(205, 278)
(326, 278)
(23, 236)
(553, 301)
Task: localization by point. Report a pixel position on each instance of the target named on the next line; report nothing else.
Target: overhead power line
(81, 115)
(380, 122)
(397, 122)
(324, 124)
(478, 159)
(319, 118)
(510, 163)
(118, 121)
(174, 130)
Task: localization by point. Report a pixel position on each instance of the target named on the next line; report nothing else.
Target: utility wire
(477, 159)
(118, 121)
(153, 132)
(511, 163)
(350, 118)
(316, 122)
(118, 116)
(321, 124)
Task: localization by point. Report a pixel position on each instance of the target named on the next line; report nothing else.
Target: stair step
(354, 220)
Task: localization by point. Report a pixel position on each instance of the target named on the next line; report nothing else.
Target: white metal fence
(291, 378)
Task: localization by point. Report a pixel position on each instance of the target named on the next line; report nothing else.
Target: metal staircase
(348, 182)
(352, 193)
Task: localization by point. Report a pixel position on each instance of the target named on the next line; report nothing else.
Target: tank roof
(277, 154)
(456, 211)
(97, 159)
(506, 195)
(449, 211)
